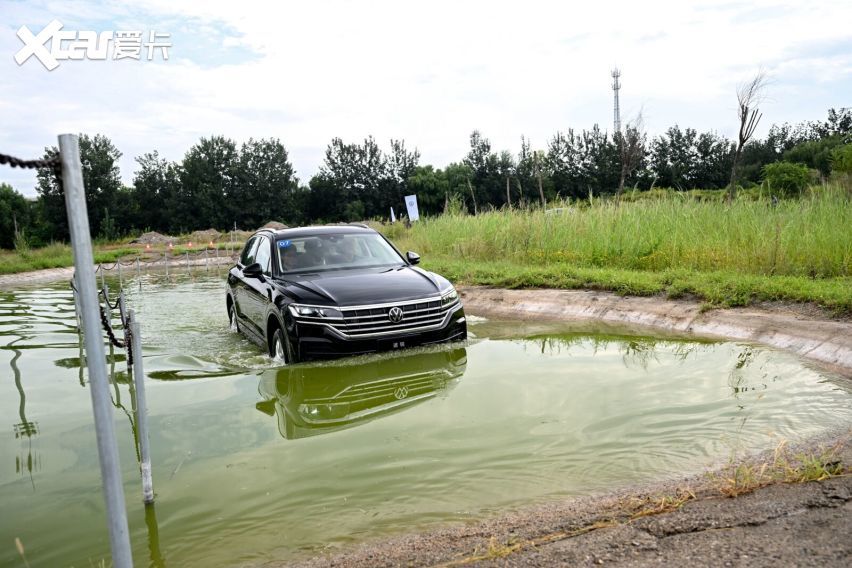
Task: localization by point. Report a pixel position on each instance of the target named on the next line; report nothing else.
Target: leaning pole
(81, 245)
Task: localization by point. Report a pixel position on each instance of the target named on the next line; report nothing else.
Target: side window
(249, 252)
(263, 254)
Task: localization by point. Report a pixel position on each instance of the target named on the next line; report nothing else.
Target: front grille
(363, 322)
(358, 322)
(395, 388)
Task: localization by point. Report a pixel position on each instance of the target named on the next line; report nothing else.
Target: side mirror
(413, 257)
(253, 271)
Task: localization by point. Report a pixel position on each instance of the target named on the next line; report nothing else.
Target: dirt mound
(153, 238)
(274, 225)
(210, 235)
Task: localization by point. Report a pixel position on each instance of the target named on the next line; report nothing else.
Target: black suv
(324, 292)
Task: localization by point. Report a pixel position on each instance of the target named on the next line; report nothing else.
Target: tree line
(221, 184)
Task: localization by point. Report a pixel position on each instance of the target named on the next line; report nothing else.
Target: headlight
(299, 311)
(450, 297)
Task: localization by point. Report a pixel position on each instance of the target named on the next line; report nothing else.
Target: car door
(258, 290)
(240, 287)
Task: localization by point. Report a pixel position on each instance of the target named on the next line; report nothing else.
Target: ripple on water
(258, 461)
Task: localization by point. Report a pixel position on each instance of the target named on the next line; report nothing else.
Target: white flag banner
(411, 205)
(393, 216)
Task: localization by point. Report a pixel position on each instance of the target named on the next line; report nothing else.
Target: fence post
(81, 246)
(141, 408)
(166, 260)
(138, 273)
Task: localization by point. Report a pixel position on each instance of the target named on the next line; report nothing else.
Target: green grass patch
(809, 237)
(797, 250)
(717, 288)
(56, 255)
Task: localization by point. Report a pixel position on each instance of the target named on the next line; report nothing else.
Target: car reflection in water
(309, 400)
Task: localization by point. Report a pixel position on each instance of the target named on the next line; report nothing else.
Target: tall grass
(811, 236)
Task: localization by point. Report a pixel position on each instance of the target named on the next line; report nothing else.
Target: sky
(426, 72)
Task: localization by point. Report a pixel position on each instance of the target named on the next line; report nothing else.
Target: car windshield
(335, 251)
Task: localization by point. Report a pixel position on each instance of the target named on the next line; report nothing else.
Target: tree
(432, 189)
(207, 181)
(563, 164)
(839, 122)
(714, 155)
(14, 216)
(358, 177)
(401, 166)
(815, 154)
(749, 96)
(102, 182)
(265, 187)
(631, 150)
(156, 192)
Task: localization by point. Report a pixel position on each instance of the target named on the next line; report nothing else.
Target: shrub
(841, 159)
(785, 178)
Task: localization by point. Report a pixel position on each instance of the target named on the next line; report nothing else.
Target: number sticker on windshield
(284, 244)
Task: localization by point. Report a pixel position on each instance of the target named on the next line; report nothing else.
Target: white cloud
(428, 72)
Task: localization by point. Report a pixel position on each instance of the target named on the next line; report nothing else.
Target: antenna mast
(616, 112)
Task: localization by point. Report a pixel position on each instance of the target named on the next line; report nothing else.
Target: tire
(278, 349)
(233, 324)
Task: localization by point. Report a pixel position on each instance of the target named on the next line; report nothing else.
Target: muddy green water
(253, 463)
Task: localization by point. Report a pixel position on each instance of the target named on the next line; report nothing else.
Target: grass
(784, 467)
(727, 255)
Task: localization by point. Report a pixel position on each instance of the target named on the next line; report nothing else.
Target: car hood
(360, 287)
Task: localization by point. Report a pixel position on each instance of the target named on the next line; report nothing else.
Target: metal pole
(122, 314)
(166, 260)
(187, 262)
(141, 409)
(138, 273)
(81, 245)
(103, 282)
(120, 283)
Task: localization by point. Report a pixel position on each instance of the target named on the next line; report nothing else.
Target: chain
(108, 329)
(53, 163)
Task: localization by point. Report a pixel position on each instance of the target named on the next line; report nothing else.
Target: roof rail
(362, 225)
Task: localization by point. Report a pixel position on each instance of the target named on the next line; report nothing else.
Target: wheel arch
(273, 322)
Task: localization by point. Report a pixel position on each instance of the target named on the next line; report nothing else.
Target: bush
(786, 179)
(841, 159)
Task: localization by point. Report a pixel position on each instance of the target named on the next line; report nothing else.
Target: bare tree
(749, 95)
(472, 196)
(537, 155)
(631, 148)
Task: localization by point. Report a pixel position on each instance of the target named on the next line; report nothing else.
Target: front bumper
(310, 341)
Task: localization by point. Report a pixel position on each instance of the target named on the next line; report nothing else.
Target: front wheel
(279, 347)
(232, 319)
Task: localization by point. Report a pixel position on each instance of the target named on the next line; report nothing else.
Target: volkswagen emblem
(401, 393)
(395, 315)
